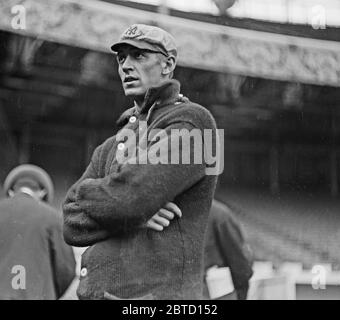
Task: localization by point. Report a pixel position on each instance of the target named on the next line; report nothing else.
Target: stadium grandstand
(271, 81)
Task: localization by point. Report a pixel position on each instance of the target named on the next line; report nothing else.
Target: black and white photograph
(169, 150)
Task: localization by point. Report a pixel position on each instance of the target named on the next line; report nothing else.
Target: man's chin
(131, 92)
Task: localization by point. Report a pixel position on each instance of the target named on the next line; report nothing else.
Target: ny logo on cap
(133, 32)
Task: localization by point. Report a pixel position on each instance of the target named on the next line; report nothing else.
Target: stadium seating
(291, 227)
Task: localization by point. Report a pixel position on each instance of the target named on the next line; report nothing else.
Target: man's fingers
(160, 220)
(154, 226)
(173, 208)
(166, 214)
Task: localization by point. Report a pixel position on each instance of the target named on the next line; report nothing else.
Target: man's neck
(29, 192)
(140, 100)
(167, 89)
(139, 103)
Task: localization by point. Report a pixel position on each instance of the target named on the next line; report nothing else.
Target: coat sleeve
(79, 228)
(234, 251)
(62, 260)
(127, 199)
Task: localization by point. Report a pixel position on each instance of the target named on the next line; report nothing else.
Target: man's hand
(162, 218)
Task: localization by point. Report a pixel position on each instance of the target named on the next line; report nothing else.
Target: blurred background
(268, 70)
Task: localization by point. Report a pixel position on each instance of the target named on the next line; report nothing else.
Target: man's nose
(127, 64)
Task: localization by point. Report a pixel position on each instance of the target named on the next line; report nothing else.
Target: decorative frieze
(95, 25)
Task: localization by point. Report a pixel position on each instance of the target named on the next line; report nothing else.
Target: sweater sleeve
(79, 228)
(125, 200)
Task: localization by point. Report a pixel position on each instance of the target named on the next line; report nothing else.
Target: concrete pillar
(163, 7)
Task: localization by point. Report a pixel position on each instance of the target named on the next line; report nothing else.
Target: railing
(291, 282)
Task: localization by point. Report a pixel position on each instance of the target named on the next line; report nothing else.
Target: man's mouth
(129, 79)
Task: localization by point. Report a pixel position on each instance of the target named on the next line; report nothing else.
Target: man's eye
(121, 58)
(138, 54)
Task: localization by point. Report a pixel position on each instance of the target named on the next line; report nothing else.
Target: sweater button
(121, 146)
(83, 272)
(132, 119)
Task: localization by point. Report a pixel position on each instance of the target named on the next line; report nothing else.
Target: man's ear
(41, 194)
(168, 65)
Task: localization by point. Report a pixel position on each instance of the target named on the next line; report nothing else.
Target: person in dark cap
(116, 206)
(35, 263)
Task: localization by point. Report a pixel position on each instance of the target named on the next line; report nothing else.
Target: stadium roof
(227, 45)
(331, 33)
(308, 12)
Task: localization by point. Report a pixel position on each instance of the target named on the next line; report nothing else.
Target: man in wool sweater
(136, 182)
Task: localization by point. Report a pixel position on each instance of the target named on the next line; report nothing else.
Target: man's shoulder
(188, 111)
(4, 202)
(195, 108)
(125, 116)
(46, 210)
(25, 205)
(105, 146)
(221, 212)
(6, 206)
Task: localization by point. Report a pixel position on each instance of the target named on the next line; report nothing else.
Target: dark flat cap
(31, 172)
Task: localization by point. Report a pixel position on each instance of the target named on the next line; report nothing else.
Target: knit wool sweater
(108, 207)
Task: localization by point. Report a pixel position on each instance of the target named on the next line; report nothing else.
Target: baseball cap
(149, 38)
(31, 173)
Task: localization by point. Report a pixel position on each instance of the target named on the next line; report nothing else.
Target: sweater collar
(165, 94)
(160, 95)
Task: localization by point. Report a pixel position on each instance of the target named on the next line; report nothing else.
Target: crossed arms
(97, 208)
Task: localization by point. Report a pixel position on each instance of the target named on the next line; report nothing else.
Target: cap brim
(33, 172)
(138, 44)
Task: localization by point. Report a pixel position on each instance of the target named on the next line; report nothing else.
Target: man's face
(139, 70)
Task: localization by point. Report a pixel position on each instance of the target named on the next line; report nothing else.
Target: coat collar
(165, 94)
(161, 95)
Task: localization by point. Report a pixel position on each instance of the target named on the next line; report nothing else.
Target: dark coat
(31, 237)
(108, 213)
(225, 246)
